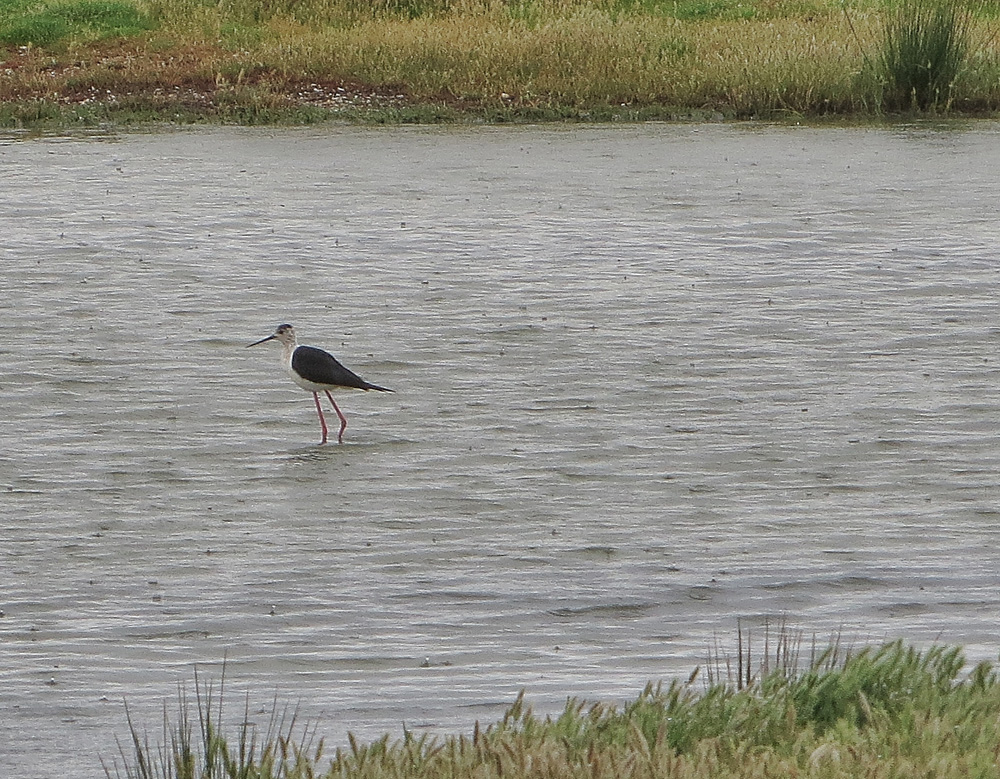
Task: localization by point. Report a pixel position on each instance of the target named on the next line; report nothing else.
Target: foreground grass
(301, 61)
(889, 711)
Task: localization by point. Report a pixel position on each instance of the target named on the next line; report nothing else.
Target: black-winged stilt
(315, 370)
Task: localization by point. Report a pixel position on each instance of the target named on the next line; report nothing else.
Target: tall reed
(208, 753)
(925, 46)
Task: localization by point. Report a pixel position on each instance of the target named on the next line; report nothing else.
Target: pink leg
(322, 421)
(343, 419)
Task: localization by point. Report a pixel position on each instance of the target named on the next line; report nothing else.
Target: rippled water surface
(650, 380)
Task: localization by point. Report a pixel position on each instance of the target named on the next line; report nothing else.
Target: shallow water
(650, 380)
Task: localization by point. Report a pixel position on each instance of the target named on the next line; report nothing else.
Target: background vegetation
(889, 711)
(425, 60)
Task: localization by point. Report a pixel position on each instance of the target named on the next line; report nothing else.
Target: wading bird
(317, 371)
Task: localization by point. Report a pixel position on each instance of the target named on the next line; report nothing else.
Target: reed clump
(885, 711)
(925, 48)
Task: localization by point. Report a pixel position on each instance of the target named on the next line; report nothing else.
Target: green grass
(886, 711)
(706, 9)
(46, 24)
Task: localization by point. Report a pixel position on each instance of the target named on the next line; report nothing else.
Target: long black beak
(262, 340)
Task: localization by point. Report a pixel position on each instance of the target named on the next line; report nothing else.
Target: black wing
(321, 367)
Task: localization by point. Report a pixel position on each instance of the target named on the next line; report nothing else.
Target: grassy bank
(301, 61)
(889, 711)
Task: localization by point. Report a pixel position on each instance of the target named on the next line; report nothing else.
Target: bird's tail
(370, 386)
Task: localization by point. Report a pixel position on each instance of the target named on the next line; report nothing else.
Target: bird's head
(285, 334)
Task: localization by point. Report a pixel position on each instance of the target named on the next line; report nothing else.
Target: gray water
(651, 380)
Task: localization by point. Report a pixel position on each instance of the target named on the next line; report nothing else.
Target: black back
(321, 367)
